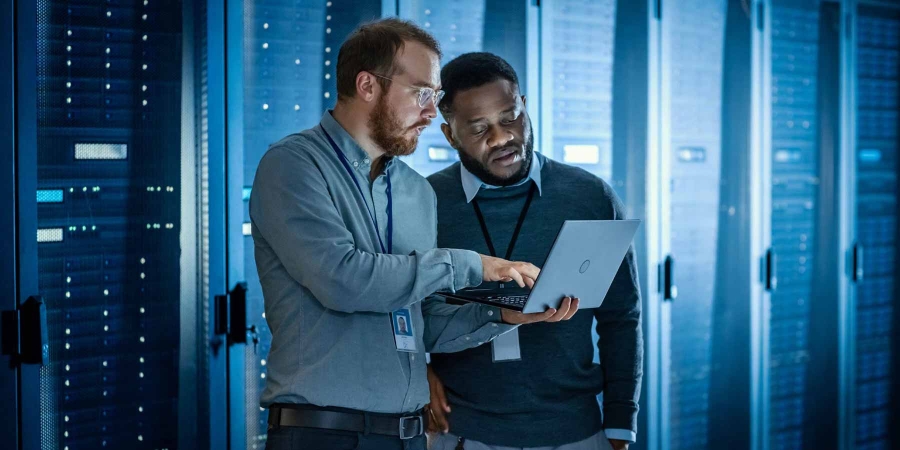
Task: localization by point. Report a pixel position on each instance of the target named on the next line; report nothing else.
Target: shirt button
(412, 357)
(494, 325)
(490, 313)
(355, 164)
(481, 343)
(468, 338)
(365, 161)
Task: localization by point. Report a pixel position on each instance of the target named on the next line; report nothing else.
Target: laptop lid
(582, 263)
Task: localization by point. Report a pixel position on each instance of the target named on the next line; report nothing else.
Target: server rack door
(706, 67)
(496, 26)
(692, 48)
(802, 317)
(875, 389)
(794, 168)
(109, 224)
(281, 64)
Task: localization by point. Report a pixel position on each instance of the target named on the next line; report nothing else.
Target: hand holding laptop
(524, 274)
(567, 308)
(582, 263)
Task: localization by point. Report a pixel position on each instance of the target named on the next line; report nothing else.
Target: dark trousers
(296, 438)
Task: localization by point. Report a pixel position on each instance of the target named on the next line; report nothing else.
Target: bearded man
(505, 198)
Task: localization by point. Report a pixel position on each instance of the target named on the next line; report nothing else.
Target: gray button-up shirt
(329, 290)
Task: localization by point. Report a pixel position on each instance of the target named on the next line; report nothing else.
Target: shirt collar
(472, 184)
(356, 156)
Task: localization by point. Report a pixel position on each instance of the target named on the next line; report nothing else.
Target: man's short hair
(469, 71)
(373, 48)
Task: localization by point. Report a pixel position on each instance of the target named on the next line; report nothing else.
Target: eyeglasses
(425, 94)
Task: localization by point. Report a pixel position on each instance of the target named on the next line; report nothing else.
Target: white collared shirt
(472, 184)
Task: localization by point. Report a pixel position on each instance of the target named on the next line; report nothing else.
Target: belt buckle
(419, 430)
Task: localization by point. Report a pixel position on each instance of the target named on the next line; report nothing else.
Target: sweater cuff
(620, 417)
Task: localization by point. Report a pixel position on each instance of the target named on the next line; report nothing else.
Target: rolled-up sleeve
(292, 208)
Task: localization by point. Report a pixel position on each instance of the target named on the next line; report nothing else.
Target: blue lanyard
(390, 206)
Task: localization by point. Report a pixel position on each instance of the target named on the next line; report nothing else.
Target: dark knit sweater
(549, 397)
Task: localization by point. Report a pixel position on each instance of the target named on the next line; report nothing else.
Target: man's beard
(387, 131)
(481, 171)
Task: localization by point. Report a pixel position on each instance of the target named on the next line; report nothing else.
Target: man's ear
(366, 86)
(523, 101)
(448, 134)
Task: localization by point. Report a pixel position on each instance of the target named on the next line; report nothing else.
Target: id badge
(506, 347)
(404, 336)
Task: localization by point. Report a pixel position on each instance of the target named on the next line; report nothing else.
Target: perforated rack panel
(578, 95)
(694, 41)
(109, 155)
(878, 80)
(795, 156)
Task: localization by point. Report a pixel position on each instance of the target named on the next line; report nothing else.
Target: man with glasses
(504, 197)
(344, 237)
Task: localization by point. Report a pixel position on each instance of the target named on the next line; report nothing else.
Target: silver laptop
(583, 261)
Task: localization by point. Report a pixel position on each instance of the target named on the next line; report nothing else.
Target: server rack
(100, 203)
(872, 260)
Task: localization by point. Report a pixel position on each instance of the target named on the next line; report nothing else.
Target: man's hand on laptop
(498, 269)
(567, 308)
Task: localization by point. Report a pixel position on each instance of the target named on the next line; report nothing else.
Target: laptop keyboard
(511, 300)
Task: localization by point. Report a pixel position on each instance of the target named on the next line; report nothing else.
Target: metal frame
(847, 229)
(761, 219)
(26, 213)
(663, 211)
(653, 416)
(219, 430)
(189, 365)
(9, 418)
(663, 226)
(234, 209)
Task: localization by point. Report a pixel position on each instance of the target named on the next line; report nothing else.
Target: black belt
(406, 427)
